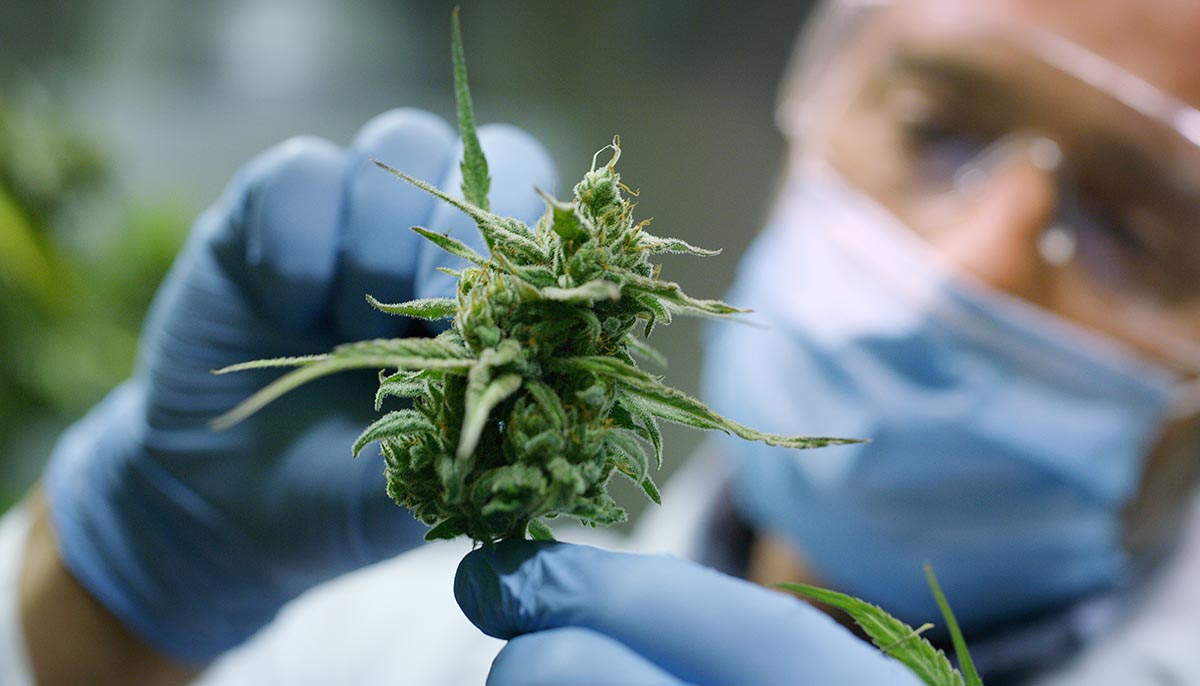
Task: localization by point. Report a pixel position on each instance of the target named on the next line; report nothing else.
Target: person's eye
(1116, 251)
(938, 148)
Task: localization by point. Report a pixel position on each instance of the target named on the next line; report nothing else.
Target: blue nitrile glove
(581, 615)
(195, 538)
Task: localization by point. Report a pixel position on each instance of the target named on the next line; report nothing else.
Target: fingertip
(283, 223)
(573, 655)
(520, 165)
(397, 129)
(488, 586)
(379, 252)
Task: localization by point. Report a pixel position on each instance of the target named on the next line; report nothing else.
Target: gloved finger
(572, 657)
(274, 230)
(694, 622)
(518, 164)
(378, 251)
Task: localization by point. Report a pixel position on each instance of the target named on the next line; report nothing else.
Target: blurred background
(121, 120)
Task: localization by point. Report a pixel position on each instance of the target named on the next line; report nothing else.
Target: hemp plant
(899, 640)
(532, 399)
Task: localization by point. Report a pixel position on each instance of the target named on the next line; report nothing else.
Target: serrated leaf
(598, 289)
(390, 425)
(451, 245)
(398, 353)
(403, 384)
(479, 403)
(956, 637)
(899, 639)
(475, 183)
(656, 245)
(672, 294)
(674, 405)
(274, 362)
(496, 230)
(431, 309)
(539, 531)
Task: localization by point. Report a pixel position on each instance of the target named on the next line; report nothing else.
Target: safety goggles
(943, 100)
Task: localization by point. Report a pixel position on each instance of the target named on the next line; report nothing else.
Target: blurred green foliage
(78, 265)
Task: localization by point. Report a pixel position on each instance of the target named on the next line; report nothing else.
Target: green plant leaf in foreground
(432, 309)
(893, 637)
(476, 182)
(956, 637)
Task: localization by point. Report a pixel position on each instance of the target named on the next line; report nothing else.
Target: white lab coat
(397, 622)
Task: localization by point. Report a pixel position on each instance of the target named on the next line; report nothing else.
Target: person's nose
(1011, 197)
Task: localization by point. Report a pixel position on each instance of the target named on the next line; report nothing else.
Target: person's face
(943, 111)
(933, 84)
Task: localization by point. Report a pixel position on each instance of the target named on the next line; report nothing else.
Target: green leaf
(598, 289)
(650, 425)
(496, 230)
(627, 454)
(539, 531)
(566, 222)
(451, 527)
(548, 401)
(645, 351)
(452, 245)
(672, 294)
(651, 490)
(956, 637)
(397, 353)
(479, 403)
(626, 413)
(475, 183)
(403, 384)
(674, 405)
(894, 637)
(535, 275)
(273, 362)
(672, 245)
(431, 309)
(655, 312)
(392, 425)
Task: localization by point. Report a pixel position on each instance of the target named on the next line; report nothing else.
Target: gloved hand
(581, 615)
(195, 538)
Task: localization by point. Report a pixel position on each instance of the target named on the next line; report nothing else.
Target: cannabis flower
(529, 402)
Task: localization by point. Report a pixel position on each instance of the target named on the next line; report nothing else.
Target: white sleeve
(394, 622)
(14, 663)
(1157, 644)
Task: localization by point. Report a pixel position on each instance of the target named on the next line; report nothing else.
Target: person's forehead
(1154, 39)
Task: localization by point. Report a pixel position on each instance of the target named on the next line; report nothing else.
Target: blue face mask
(1005, 441)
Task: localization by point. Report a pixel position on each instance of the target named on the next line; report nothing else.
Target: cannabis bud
(526, 406)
